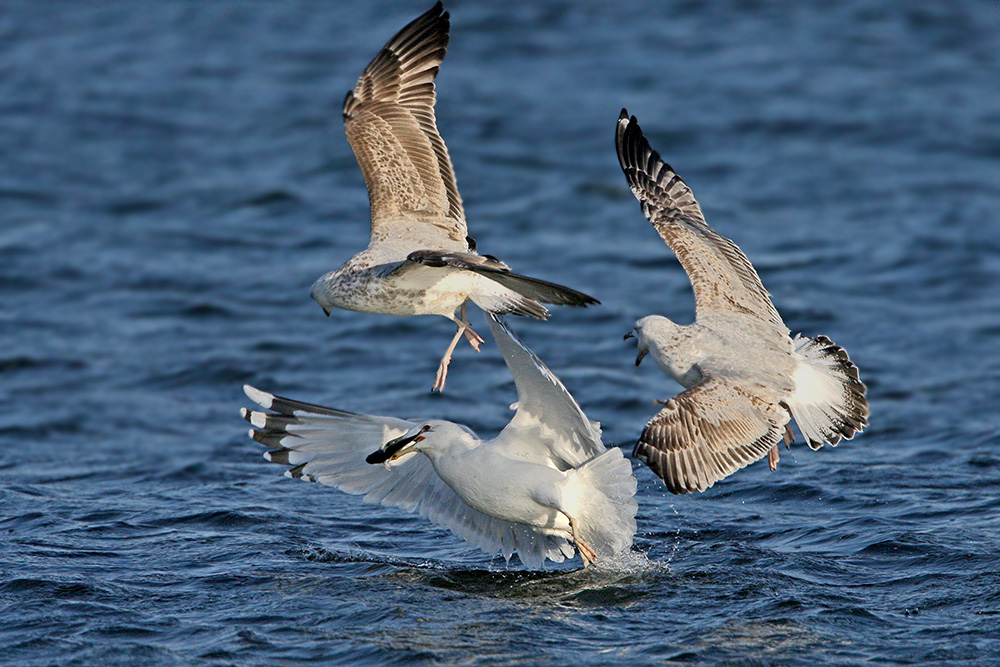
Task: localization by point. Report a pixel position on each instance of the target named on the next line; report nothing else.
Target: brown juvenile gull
(544, 485)
(420, 260)
(746, 378)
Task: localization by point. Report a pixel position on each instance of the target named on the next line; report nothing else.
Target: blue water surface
(174, 176)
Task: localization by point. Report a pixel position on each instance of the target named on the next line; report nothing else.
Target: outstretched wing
(707, 433)
(721, 275)
(549, 427)
(329, 446)
(390, 124)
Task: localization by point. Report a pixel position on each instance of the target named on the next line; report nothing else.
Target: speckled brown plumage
(746, 378)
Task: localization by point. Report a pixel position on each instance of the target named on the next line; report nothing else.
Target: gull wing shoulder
(707, 433)
(721, 275)
(390, 124)
(563, 433)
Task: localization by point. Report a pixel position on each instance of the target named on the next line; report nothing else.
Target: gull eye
(426, 427)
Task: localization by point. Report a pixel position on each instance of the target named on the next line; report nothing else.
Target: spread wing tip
(637, 158)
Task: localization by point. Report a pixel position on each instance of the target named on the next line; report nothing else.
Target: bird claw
(475, 340)
(442, 375)
(587, 554)
(773, 457)
(789, 437)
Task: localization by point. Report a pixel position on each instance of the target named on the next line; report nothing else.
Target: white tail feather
(603, 504)
(829, 401)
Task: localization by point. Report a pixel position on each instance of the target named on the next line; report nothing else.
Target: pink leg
(773, 457)
(442, 372)
(475, 340)
(464, 329)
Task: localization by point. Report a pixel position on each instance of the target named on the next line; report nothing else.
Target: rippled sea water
(174, 177)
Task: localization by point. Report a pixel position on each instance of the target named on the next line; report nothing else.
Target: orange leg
(587, 554)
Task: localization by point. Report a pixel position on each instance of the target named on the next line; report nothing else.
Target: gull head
(652, 331)
(432, 439)
(321, 294)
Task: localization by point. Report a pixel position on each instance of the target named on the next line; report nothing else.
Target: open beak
(393, 449)
(642, 353)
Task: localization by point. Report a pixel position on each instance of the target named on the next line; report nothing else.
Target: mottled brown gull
(745, 377)
(544, 485)
(420, 259)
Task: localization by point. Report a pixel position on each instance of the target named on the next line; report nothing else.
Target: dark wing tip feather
(279, 456)
(720, 273)
(620, 127)
(298, 472)
(642, 166)
(270, 439)
(423, 40)
(431, 26)
(271, 424)
(391, 126)
(288, 406)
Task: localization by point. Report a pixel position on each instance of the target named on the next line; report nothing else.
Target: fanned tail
(829, 401)
(603, 503)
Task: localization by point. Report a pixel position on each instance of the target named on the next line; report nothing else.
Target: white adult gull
(745, 377)
(420, 259)
(544, 485)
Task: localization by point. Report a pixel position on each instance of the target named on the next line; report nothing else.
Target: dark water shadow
(617, 583)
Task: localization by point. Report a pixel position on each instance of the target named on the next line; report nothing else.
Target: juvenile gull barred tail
(420, 259)
(545, 487)
(745, 377)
